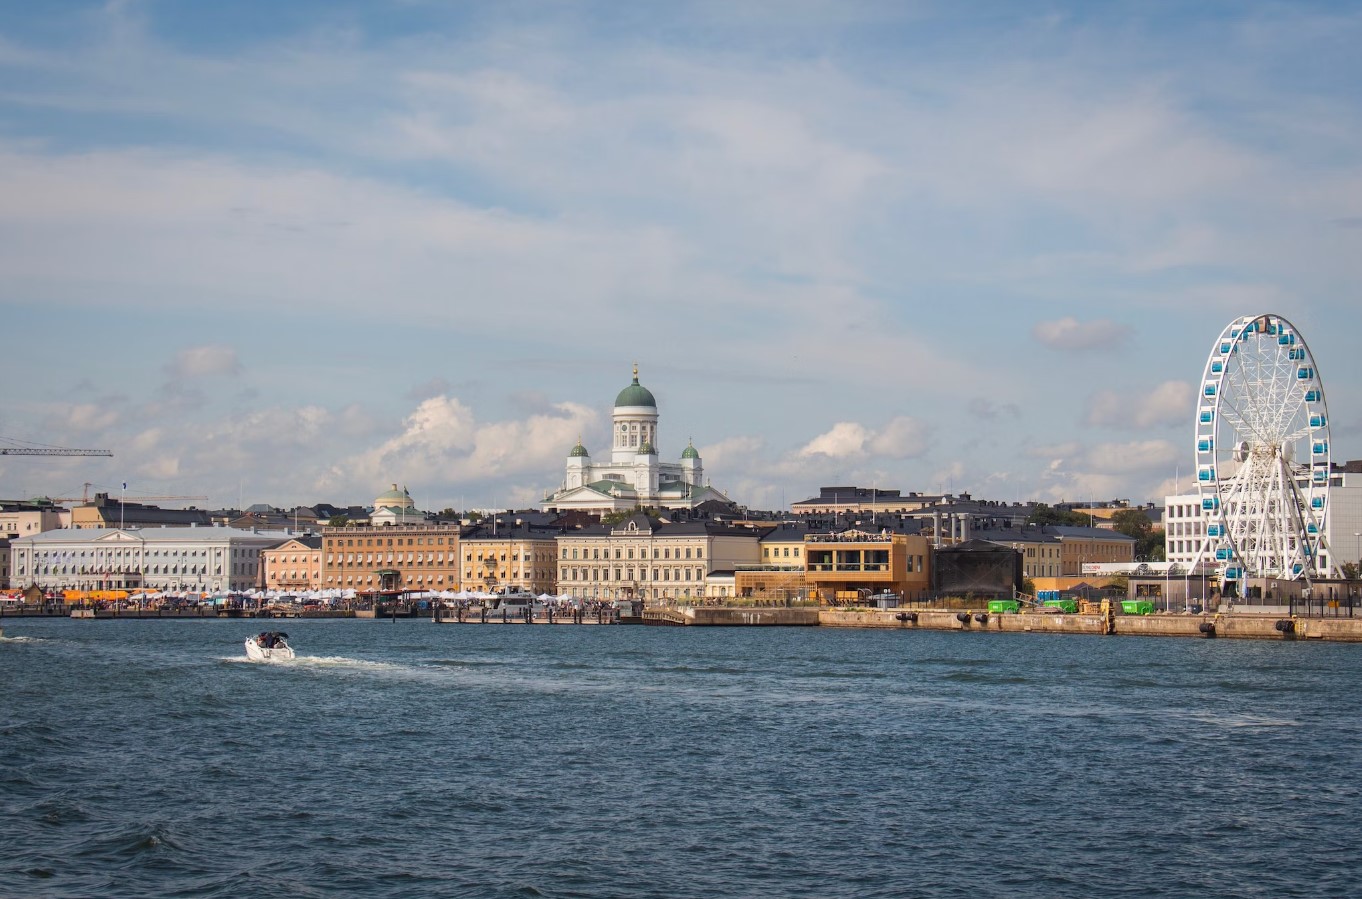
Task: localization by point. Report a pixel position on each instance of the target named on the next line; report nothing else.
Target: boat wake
(321, 662)
(343, 662)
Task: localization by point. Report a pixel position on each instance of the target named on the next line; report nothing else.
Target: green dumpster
(1137, 607)
(1064, 605)
(998, 606)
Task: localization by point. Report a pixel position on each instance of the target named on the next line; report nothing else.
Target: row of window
(135, 553)
(662, 553)
(627, 574)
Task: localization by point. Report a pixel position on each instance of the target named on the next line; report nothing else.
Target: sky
(296, 253)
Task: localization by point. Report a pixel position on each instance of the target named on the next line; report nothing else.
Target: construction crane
(48, 451)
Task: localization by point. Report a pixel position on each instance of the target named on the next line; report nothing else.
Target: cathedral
(634, 475)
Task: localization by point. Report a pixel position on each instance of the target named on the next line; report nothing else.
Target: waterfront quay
(1240, 625)
(1232, 625)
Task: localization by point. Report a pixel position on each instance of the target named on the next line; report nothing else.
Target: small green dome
(635, 394)
(646, 449)
(690, 452)
(578, 451)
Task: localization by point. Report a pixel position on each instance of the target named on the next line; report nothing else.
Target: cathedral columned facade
(634, 476)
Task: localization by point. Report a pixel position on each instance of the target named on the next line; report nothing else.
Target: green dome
(635, 394)
(578, 451)
(646, 448)
(690, 452)
(393, 498)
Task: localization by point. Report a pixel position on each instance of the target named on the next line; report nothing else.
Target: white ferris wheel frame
(1265, 510)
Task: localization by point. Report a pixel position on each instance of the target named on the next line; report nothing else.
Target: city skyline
(297, 255)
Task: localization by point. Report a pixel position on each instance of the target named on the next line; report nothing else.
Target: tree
(338, 521)
(1149, 546)
(1044, 514)
(1132, 522)
(613, 518)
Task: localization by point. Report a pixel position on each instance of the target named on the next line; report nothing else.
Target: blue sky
(293, 253)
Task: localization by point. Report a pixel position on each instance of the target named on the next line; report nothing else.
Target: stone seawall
(724, 617)
(1255, 627)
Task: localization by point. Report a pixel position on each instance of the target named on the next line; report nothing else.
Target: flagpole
(120, 505)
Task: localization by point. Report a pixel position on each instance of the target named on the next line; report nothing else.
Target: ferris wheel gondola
(1262, 450)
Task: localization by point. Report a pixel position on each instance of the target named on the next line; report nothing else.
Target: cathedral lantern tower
(634, 424)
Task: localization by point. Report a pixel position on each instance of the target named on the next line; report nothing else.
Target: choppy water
(408, 759)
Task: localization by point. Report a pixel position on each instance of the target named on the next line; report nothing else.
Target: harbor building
(643, 558)
(779, 576)
(1185, 525)
(1079, 546)
(513, 556)
(20, 519)
(634, 477)
(168, 559)
(391, 558)
(851, 565)
(294, 565)
(1041, 551)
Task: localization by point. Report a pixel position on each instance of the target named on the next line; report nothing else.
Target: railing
(1341, 607)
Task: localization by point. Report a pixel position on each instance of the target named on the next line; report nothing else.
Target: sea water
(404, 758)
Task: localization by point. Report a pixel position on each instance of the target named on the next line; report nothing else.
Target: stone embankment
(1234, 625)
(1238, 625)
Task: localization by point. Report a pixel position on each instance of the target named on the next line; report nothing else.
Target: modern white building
(1185, 527)
(634, 475)
(185, 559)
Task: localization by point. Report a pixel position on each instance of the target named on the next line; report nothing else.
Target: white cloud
(204, 361)
(1169, 404)
(845, 440)
(442, 443)
(1136, 456)
(901, 438)
(1070, 334)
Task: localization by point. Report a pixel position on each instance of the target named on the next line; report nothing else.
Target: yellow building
(1041, 551)
(646, 559)
(779, 576)
(391, 558)
(1081, 546)
(509, 556)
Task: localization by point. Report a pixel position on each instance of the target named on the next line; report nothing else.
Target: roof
(635, 394)
(1063, 531)
(976, 546)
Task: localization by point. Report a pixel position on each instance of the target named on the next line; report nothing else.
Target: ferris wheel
(1262, 450)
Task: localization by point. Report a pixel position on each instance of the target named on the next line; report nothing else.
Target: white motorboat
(269, 646)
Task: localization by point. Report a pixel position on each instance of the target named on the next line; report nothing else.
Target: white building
(395, 507)
(198, 559)
(635, 475)
(1184, 528)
